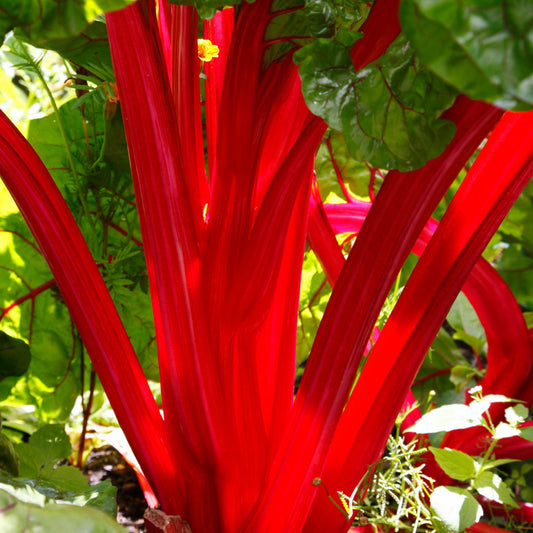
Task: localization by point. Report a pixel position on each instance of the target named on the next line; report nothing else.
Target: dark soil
(107, 463)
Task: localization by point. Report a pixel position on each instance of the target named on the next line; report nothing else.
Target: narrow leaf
(456, 464)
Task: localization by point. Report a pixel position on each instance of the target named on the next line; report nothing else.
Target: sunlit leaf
(456, 509)
(456, 464)
(447, 418)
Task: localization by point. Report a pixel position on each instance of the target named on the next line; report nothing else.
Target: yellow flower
(207, 50)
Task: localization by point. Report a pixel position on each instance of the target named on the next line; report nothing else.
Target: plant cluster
(231, 198)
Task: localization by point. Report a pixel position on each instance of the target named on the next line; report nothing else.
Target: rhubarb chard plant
(269, 210)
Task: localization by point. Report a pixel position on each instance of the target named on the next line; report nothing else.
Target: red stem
(88, 300)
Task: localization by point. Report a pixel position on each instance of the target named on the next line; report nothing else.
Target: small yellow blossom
(207, 50)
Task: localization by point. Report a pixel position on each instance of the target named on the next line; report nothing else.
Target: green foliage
(464, 320)
(394, 493)
(463, 467)
(388, 111)
(41, 469)
(448, 418)
(88, 50)
(43, 21)
(456, 464)
(455, 509)
(87, 156)
(483, 48)
(27, 511)
(314, 295)
(460, 416)
(511, 249)
(355, 175)
(9, 460)
(37, 315)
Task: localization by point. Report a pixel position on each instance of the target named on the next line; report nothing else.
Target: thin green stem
(34, 65)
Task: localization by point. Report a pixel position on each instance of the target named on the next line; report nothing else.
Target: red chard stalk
(224, 111)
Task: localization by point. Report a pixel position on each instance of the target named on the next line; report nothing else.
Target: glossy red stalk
(169, 210)
(380, 28)
(432, 288)
(510, 353)
(218, 30)
(90, 305)
(185, 86)
(345, 328)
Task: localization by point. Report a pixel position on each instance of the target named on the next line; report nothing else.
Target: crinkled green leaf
(288, 29)
(27, 511)
(447, 418)
(492, 487)
(482, 48)
(44, 20)
(455, 508)
(456, 464)
(387, 111)
(321, 15)
(327, 74)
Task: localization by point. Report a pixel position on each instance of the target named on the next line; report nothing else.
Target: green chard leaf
(483, 48)
(326, 16)
(387, 111)
(89, 50)
(33, 311)
(44, 20)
